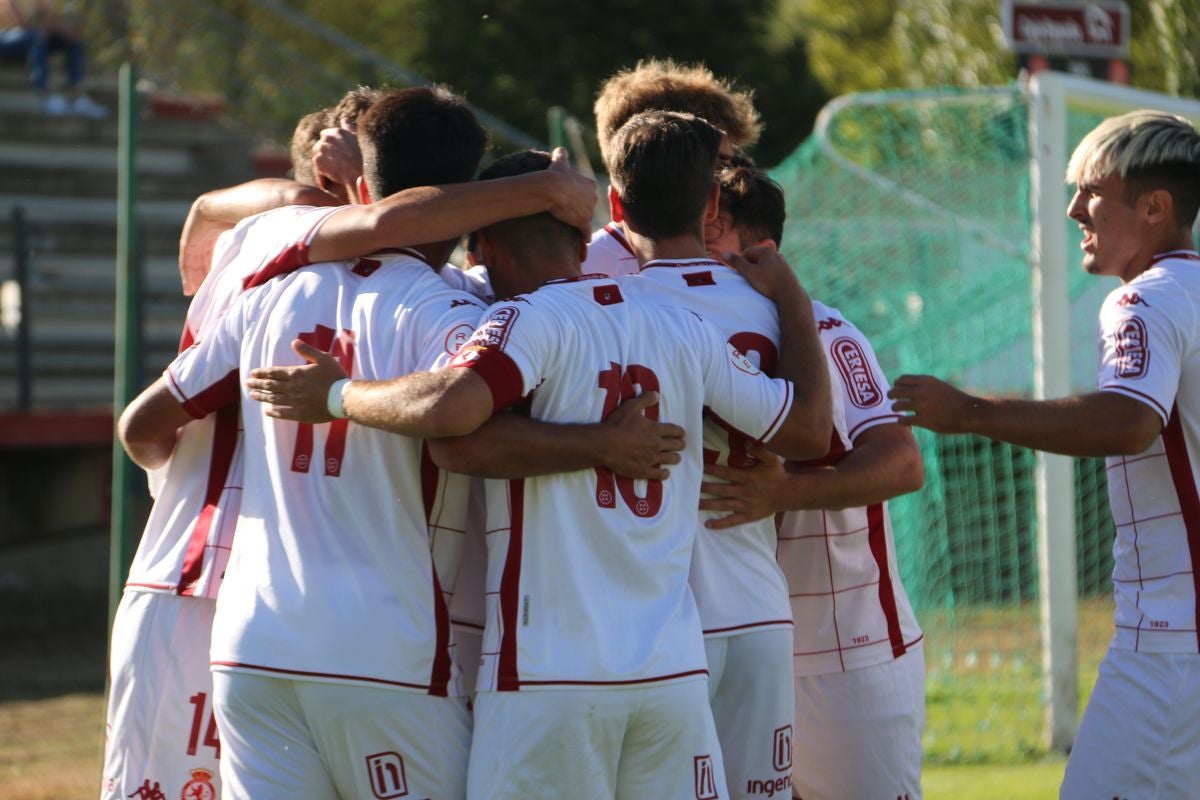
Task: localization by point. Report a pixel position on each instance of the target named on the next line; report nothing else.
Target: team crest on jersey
(781, 756)
(1133, 349)
(200, 786)
(457, 337)
(851, 362)
(387, 775)
(706, 778)
(740, 361)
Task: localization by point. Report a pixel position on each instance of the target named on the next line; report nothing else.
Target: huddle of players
(332, 656)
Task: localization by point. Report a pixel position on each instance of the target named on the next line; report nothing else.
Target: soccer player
(858, 663)
(593, 676)
(333, 671)
(663, 85)
(1137, 179)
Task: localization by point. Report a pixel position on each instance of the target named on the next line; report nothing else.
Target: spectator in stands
(31, 31)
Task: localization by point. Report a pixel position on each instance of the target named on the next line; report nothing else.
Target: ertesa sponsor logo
(851, 362)
(1133, 349)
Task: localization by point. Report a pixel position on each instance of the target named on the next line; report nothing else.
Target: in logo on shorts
(1133, 349)
(781, 757)
(852, 363)
(387, 775)
(706, 778)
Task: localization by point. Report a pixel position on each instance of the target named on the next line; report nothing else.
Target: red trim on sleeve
(224, 444)
(223, 392)
(292, 258)
(1180, 462)
(187, 338)
(616, 233)
(877, 538)
(500, 372)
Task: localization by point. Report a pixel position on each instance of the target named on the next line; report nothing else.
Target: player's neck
(689, 245)
(436, 253)
(522, 277)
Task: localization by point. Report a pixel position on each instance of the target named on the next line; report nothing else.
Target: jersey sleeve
(279, 240)
(204, 377)
(450, 323)
(736, 391)
(1143, 340)
(508, 350)
(855, 372)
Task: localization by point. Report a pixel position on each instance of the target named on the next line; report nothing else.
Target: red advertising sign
(1067, 28)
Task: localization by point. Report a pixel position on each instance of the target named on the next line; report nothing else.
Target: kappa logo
(148, 792)
(386, 771)
(829, 324)
(852, 363)
(1134, 299)
(455, 303)
(366, 266)
(781, 757)
(457, 337)
(706, 778)
(1133, 349)
(200, 786)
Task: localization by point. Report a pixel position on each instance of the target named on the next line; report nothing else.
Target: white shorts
(752, 695)
(1140, 734)
(160, 726)
(289, 738)
(653, 741)
(858, 733)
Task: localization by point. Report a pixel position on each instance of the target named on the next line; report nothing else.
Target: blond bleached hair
(665, 85)
(1134, 143)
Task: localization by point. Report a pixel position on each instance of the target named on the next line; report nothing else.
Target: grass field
(983, 705)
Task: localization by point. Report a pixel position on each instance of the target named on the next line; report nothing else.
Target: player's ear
(614, 205)
(714, 203)
(767, 242)
(364, 194)
(1160, 205)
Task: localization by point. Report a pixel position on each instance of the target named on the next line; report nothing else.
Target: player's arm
(884, 463)
(514, 446)
(806, 430)
(215, 212)
(438, 213)
(148, 426)
(1098, 424)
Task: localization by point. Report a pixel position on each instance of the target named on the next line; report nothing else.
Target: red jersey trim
(500, 372)
(224, 446)
(634, 682)
(311, 674)
(616, 233)
(508, 677)
(877, 538)
(1139, 396)
(1180, 462)
(223, 392)
(443, 664)
(187, 338)
(871, 423)
(161, 586)
(685, 263)
(292, 258)
(732, 628)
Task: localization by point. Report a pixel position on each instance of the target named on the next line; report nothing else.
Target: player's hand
(297, 393)
(638, 446)
(932, 403)
(574, 194)
(747, 493)
(337, 157)
(768, 272)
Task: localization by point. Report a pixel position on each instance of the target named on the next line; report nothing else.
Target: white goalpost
(1051, 97)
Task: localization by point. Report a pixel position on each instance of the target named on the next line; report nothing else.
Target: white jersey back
(737, 581)
(849, 607)
(610, 254)
(185, 545)
(587, 572)
(341, 549)
(1150, 351)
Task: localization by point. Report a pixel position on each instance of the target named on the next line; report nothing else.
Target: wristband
(333, 401)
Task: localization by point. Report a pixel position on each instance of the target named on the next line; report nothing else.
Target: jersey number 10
(621, 385)
(340, 347)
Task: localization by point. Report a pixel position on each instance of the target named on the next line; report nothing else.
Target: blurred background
(909, 209)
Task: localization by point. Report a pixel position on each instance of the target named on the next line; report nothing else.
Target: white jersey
(736, 580)
(473, 280)
(189, 533)
(1150, 351)
(849, 607)
(341, 544)
(587, 572)
(609, 253)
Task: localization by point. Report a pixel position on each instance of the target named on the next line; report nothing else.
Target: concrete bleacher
(62, 171)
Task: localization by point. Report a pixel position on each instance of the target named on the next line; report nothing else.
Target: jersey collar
(1185, 255)
(682, 263)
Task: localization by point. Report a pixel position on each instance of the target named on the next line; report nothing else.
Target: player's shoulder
(1156, 292)
(831, 322)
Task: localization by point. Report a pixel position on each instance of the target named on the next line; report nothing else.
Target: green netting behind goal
(909, 211)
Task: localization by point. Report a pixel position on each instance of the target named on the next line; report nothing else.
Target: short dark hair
(755, 204)
(537, 235)
(419, 136)
(663, 164)
(308, 131)
(353, 105)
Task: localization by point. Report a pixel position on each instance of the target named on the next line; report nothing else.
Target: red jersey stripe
(1189, 499)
